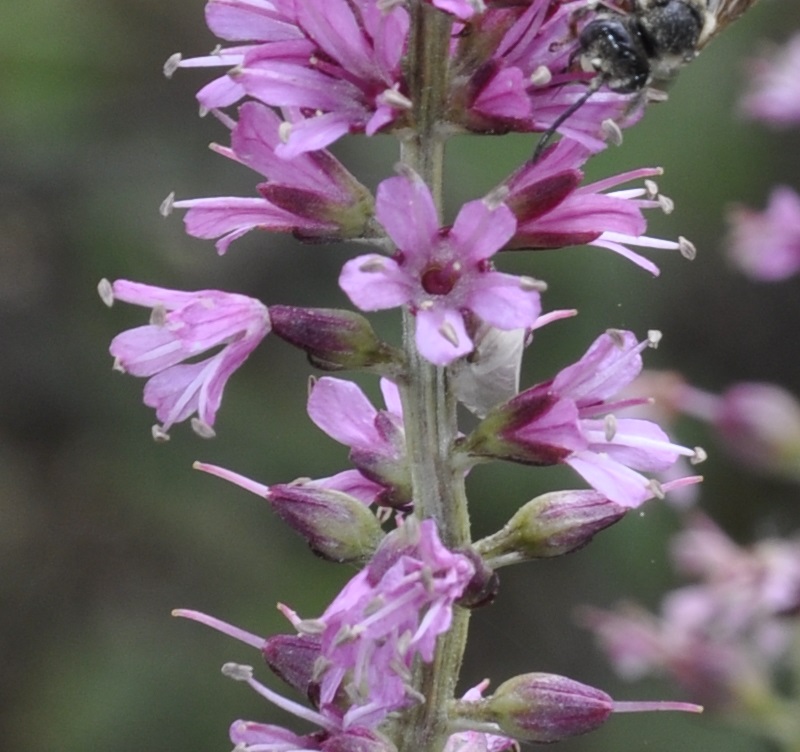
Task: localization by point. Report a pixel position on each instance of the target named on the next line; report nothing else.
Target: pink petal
(432, 344)
(375, 283)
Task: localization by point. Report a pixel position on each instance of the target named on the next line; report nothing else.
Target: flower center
(440, 280)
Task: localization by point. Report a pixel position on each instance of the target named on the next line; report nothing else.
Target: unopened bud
(292, 658)
(537, 708)
(337, 526)
(334, 339)
(549, 708)
(483, 586)
(550, 525)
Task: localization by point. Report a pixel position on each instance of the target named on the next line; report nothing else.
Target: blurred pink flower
(766, 245)
(774, 95)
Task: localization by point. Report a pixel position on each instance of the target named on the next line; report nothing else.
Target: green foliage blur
(103, 532)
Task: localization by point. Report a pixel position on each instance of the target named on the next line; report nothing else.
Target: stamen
(284, 131)
(652, 188)
(237, 671)
(449, 333)
(700, 455)
(612, 132)
(610, 426)
(667, 204)
(687, 248)
(531, 284)
(159, 434)
(394, 98)
(106, 292)
(654, 337)
(541, 76)
(371, 266)
(172, 64)
(165, 209)
(202, 429)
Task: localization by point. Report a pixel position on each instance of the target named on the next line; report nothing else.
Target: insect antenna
(594, 85)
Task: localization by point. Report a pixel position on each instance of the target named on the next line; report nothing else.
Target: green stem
(429, 405)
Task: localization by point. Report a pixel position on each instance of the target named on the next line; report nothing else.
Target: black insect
(638, 42)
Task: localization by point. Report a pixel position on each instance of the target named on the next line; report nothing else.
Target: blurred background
(103, 532)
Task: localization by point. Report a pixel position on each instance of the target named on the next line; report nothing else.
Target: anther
(652, 188)
(656, 488)
(654, 337)
(616, 337)
(687, 248)
(284, 131)
(611, 131)
(371, 266)
(202, 429)
(394, 98)
(449, 333)
(666, 203)
(165, 209)
(172, 64)
(531, 284)
(158, 316)
(237, 671)
(106, 292)
(541, 76)
(698, 456)
(610, 427)
(159, 434)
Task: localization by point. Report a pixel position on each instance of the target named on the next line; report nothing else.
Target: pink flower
(571, 420)
(338, 60)
(766, 245)
(553, 210)
(312, 196)
(441, 273)
(516, 74)
(387, 616)
(184, 325)
(774, 95)
(376, 437)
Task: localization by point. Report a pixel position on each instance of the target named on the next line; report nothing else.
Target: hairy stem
(428, 403)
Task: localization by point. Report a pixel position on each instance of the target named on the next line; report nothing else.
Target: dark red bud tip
(292, 658)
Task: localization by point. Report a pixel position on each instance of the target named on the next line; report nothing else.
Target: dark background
(103, 532)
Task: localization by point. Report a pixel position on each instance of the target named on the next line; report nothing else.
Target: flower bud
(483, 586)
(334, 339)
(292, 658)
(548, 707)
(550, 525)
(337, 526)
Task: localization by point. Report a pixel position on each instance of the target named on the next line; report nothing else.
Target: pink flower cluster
(302, 75)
